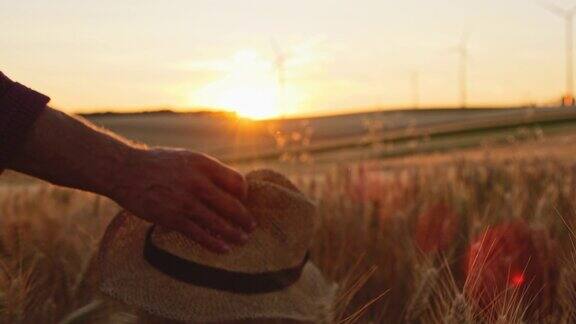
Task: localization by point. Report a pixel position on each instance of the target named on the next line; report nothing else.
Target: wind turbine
(463, 54)
(280, 64)
(415, 81)
(568, 16)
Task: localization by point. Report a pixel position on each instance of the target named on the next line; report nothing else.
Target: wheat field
(483, 235)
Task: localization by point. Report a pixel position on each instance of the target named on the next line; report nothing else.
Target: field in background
(334, 138)
(395, 233)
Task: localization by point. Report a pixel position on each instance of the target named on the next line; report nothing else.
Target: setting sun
(249, 86)
(254, 102)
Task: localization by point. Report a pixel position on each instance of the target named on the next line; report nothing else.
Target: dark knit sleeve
(19, 108)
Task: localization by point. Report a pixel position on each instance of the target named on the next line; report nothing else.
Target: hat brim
(125, 275)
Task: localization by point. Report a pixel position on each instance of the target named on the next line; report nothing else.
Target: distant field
(242, 140)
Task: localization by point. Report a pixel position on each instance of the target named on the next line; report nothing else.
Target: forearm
(179, 189)
(71, 152)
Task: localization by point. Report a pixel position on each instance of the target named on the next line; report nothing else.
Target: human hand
(188, 192)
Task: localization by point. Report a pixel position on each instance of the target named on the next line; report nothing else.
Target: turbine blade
(552, 8)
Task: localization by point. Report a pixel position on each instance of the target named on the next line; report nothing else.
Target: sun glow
(251, 101)
(248, 87)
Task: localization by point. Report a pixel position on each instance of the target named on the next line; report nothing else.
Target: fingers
(196, 195)
(228, 179)
(199, 235)
(209, 220)
(228, 207)
(204, 226)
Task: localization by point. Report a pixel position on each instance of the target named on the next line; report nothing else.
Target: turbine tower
(568, 16)
(280, 63)
(463, 52)
(415, 82)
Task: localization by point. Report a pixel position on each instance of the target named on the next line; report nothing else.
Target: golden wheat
(368, 216)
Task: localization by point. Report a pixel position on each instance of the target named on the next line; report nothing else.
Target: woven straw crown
(285, 230)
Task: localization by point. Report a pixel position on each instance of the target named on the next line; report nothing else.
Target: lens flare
(517, 279)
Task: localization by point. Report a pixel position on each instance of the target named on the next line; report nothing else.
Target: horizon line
(339, 112)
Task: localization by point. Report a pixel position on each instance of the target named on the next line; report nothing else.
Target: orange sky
(100, 55)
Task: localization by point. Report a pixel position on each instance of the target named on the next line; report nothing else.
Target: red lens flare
(517, 279)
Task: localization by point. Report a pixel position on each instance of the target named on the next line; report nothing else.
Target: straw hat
(167, 274)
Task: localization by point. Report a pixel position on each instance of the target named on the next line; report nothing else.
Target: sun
(247, 98)
(248, 87)
(251, 101)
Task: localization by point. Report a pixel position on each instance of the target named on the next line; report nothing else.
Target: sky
(331, 55)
